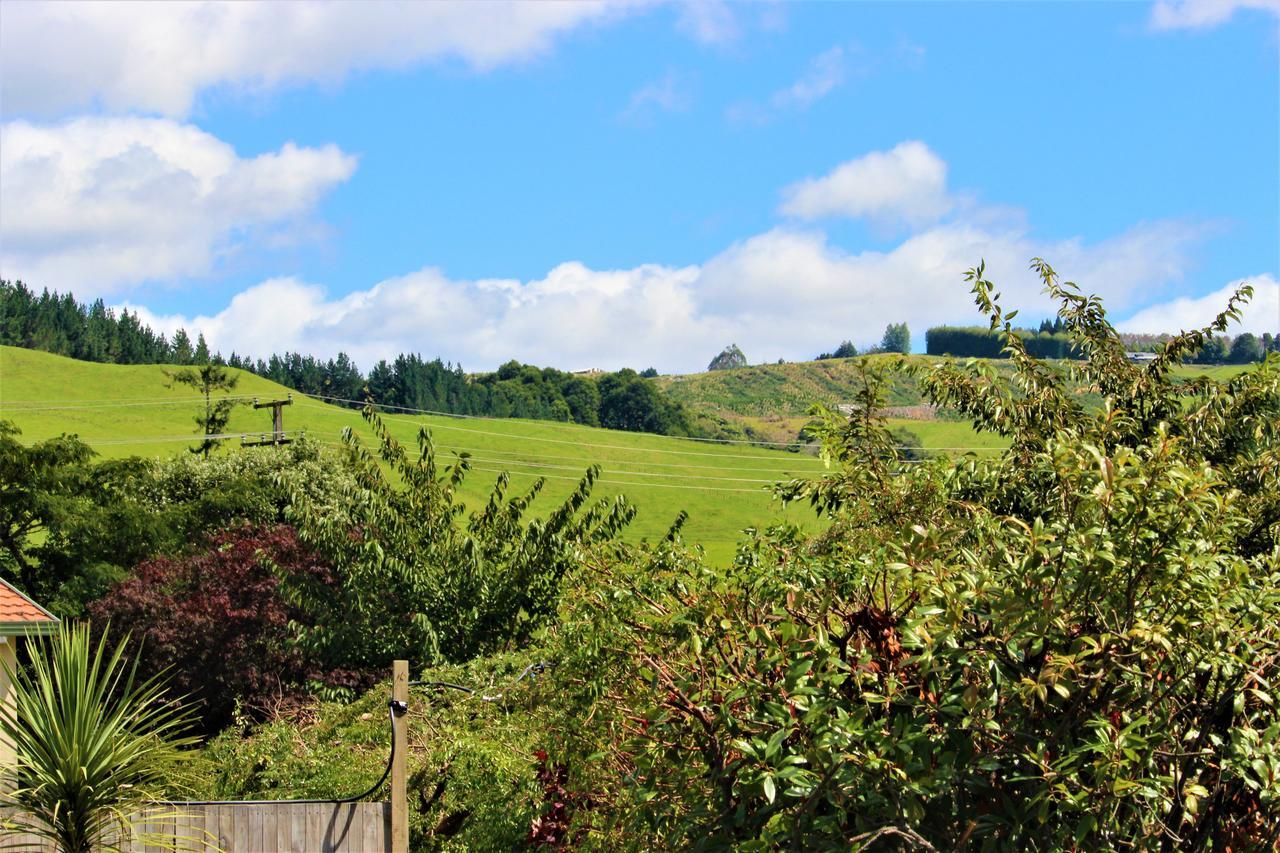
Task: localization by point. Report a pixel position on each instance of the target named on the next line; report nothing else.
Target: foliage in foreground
(1072, 645)
(415, 579)
(94, 744)
(71, 526)
(472, 781)
(1075, 644)
(215, 620)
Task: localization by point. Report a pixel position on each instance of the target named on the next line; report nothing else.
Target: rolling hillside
(772, 400)
(124, 410)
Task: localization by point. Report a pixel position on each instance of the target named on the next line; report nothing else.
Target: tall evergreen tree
(182, 351)
(897, 338)
(207, 379)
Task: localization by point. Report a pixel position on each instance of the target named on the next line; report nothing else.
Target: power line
(602, 479)
(338, 413)
(190, 397)
(645, 450)
(102, 442)
(591, 445)
(182, 402)
(625, 473)
(327, 410)
(746, 441)
(585, 461)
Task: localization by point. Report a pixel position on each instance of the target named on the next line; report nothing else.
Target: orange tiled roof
(17, 608)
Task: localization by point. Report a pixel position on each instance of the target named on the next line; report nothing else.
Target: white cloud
(708, 21)
(670, 94)
(1202, 14)
(96, 204)
(784, 293)
(157, 57)
(826, 72)
(1262, 314)
(906, 184)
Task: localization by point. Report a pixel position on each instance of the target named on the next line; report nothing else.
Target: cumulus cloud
(1262, 314)
(906, 184)
(157, 57)
(96, 204)
(784, 293)
(1203, 14)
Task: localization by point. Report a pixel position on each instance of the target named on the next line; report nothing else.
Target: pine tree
(182, 352)
(207, 379)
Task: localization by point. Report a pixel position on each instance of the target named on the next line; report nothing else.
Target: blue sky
(588, 185)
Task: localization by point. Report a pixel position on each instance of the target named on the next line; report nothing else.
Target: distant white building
(1140, 357)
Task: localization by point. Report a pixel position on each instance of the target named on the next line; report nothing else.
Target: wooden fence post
(399, 763)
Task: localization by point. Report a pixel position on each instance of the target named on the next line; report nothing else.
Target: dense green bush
(417, 576)
(1073, 645)
(70, 525)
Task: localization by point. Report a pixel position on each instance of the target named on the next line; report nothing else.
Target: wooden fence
(260, 827)
(246, 828)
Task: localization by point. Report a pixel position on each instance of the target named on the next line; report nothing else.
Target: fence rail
(241, 828)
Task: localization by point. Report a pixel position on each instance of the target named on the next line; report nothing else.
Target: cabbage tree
(94, 745)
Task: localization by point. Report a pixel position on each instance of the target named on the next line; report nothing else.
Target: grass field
(124, 410)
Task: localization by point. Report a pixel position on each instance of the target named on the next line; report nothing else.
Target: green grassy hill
(771, 401)
(124, 410)
(786, 390)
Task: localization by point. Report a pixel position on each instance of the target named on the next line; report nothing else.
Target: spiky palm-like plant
(94, 746)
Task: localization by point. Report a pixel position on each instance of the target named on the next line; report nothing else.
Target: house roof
(21, 615)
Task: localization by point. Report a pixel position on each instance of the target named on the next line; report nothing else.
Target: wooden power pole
(277, 423)
(399, 757)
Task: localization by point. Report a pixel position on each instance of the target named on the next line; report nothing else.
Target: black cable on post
(532, 669)
(394, 709)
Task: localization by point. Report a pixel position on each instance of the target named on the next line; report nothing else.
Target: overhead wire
(786, 460)
(184, 398)
(623, 448)
(609, 481)
(328, 410)
(747, 441)
(76, 406)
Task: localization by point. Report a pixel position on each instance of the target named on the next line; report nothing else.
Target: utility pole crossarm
(277, 422)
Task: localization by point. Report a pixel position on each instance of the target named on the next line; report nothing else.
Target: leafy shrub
(74, 526)
(1073, 645)
(94, 745)
(414, 578)
(214, 619)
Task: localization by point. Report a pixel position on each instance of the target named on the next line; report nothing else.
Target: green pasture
(125, 410)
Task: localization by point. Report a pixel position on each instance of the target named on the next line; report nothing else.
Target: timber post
(399, 758)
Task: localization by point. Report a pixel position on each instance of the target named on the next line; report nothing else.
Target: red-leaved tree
(216, 620)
